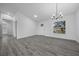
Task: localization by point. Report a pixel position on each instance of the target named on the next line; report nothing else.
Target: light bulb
(35, 16)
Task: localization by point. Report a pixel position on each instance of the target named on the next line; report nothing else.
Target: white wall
(14, 28)
(25, 26)
(10, 28)
(47, 30)
(77, 25)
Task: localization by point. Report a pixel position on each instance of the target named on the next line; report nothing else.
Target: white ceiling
(42, 10)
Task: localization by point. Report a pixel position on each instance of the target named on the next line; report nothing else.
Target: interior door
(4, 28)
(0, 30)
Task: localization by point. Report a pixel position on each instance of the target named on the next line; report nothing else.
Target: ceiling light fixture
(35, 16)
(58, 15)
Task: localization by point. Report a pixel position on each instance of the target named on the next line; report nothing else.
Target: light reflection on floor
(6, 38)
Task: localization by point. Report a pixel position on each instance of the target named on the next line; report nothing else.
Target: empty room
(39, 29)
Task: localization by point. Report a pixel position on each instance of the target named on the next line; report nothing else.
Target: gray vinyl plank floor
(38, 46)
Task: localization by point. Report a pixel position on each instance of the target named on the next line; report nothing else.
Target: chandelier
(58, 15)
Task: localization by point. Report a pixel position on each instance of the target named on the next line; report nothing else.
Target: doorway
(8, 28)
